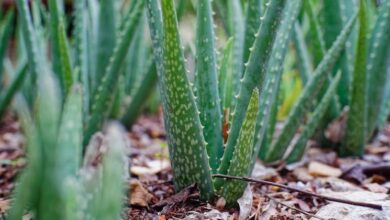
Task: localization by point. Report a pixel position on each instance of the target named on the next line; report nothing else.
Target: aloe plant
(56, 177)
(363, 67)
(277, 149)
(194, 160)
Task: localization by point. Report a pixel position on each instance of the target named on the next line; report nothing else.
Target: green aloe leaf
(237, 25)
(254, 77)
(225, 76)
(113, 170)
(315, 119)
(206, 84)
(269, 96)
(278, 148)
(64, 56)
(16, 84)
(239, 166)
(378, 53)
(55, 19)
(302, 52)
(69, 141)
(140, 95)
(5, 34)
(355, 136)
(186, 143)
(106, 38)
(81, 51)
(24, 196)
(385, 107)
(336, 14)
(318, 47)
(252, 24)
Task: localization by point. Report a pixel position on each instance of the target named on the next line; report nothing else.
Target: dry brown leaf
(139, 196)
(320, 169)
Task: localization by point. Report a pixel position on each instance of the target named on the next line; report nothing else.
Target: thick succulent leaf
(113, 181)
(26, 195)
(355, 136)
(16, 84)
(237, 25)
(252, 24)
(225, 76)
(48, 117)
(67, 75)
(69, 142)
(269, 95)
(254, 76)
(206, 84)
(378, 53)
(385, 107)
(300, 146)
(301, 107)
(36, 63)
(5, 34)
(187, 147)
(239, 165)
(140, 95)
(106, 37)
(103, 94)
(56, 16)
(303, 58)
(75, 200)
(135, 65)
(68, 150)
(335, 16)
(316, 34)
(81, 51)
(220, 6)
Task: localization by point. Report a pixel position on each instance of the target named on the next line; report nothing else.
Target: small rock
(349, 212)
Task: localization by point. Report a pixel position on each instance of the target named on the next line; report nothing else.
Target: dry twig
(328, 198)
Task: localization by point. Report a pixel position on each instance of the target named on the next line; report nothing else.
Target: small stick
(349, 202)
(293, 208)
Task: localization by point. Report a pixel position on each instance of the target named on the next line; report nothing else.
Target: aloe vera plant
(363, 67)
(195, 153)
(55, 175)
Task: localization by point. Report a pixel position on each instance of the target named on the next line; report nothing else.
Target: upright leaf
(355, 136)
(113, 182)
(240, 165)
(187, 147)
(206, 84)
(106, 36)
(5, 34)
(252, 24)
(237, 25)
(378, 53)
(269, 96)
